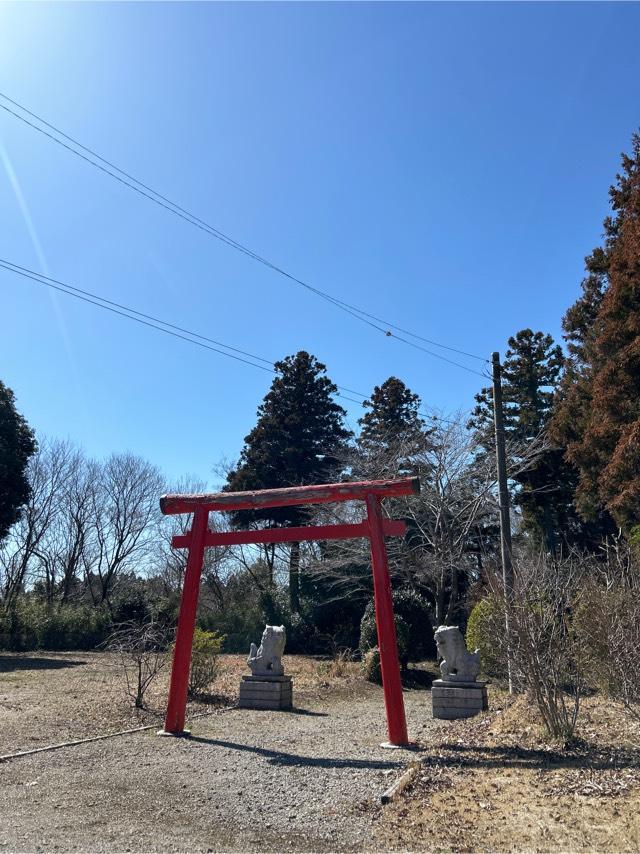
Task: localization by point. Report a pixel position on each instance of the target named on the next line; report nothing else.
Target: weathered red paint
(375, 527)
(294, 495)
(177, 705)
(387, 642)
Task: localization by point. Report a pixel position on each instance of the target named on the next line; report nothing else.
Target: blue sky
(443, 166)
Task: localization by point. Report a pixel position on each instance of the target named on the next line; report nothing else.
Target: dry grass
(490, 784)
(50, 697)
(496, 784)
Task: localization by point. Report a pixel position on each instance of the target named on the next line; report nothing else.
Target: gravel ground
(246, 781)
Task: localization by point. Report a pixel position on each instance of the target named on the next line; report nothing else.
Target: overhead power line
(158, 198)
(168, 328)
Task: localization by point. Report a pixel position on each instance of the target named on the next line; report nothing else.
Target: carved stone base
(266, 692)
(453, 700)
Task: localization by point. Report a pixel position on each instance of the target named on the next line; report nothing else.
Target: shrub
(141, 647)
(204, 661)
(33, 624)
(606, 623)
(414, 628)
(418, 616)
(371, 665)
(541, 644)
(369, 637)
(482, 626)
(338, 667)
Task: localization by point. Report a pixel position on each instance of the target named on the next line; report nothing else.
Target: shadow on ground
(581, 755)
(31, 662)
(208, 699)
(417, 679)
(277, 757)
(307, 713)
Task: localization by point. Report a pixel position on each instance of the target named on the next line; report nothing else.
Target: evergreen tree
(599, 411)
(531, 372)
(530, 375)
(299, 439)
(17, 445)
(392, 431)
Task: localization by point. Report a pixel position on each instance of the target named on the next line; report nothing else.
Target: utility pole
(503, 493)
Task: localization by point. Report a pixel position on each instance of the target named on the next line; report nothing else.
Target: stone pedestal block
(266, 692)
(458, 699)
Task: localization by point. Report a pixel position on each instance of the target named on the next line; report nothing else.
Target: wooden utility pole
(503, 493)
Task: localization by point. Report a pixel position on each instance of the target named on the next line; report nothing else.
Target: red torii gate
(375, 527)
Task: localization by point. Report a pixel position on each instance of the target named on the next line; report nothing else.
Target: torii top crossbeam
(319, 494)
(374, 527)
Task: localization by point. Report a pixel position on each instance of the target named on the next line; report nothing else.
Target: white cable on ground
(8, 756)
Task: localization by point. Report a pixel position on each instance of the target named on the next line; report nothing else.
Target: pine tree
(599, 412)
(530, 375)
(531, 372)
(392, 431)
(299, 439)
(17, 445)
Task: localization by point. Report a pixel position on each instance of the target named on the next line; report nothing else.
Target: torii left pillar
(176, 709)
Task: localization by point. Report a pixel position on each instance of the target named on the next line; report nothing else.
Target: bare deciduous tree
(546, 654)
(142, 650)
(448, 522)
(607, 621)
(23, 552)
(124, 522)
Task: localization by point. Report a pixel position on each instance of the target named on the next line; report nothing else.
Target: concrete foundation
(452, 700)
(266, 692)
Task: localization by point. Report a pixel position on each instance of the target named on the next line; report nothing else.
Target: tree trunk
(453, 598)
(549, 532)
(294, 578)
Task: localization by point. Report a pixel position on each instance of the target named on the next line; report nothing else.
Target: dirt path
(245, 781)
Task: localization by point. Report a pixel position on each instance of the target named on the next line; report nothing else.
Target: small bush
(371, 665)
(142, 649)
(369, 636)
(204, 661)
(606, 623)
(545, 654)
(414, 627)
(417, 614)
(483, 623)
(338, 667)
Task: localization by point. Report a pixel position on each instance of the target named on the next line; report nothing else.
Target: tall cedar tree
(17, 445)
(299, 439)
(531, 372)
(392, 430)
(598, 415)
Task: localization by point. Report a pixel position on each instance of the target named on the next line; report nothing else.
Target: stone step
(450, 714)
(267, 705)
(458, 692)
(271, 695)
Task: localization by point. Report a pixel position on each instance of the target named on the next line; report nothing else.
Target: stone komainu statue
(458, 665)
(265, 660)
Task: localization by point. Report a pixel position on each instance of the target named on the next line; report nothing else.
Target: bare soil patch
(303, 781)
(48, 697)
(246, 781)
(496, 784)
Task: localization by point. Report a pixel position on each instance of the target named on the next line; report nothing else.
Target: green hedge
(32, 624)
(484, 621)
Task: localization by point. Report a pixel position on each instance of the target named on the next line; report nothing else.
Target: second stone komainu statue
(458, 694)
